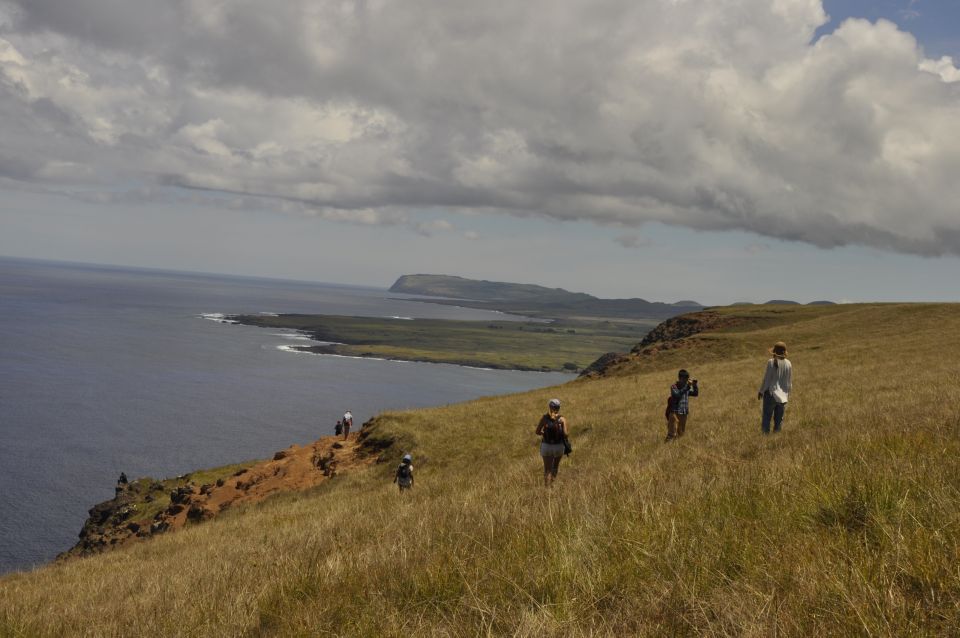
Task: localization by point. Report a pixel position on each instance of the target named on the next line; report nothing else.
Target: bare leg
(671, 426)
(547, 463)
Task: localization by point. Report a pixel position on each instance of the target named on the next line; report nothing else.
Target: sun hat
(407, 457)
(554, 403)
(779, 349)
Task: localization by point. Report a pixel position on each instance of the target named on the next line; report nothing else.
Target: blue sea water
(105, 369)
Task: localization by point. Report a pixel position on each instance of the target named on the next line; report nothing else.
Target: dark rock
(133, 527)
(604, 363)
(282, 454)
(156, 486)
(205, 488)
(159, 527)
(175, 508)
(220, 482)
(149, 498)
(197, 513)
(337, 445)
(181, 495)
(240, 472)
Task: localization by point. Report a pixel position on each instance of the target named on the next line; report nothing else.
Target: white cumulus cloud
(721, 115)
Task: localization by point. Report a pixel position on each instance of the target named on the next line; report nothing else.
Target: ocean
(106, 370)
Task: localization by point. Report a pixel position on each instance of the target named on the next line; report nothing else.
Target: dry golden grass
(844, 524)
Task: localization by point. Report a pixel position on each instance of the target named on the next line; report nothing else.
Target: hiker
(678, 404)
(347, 422)
(123, 479)
(554, 430)
(338, 428)
(776, 387)
(404, 474)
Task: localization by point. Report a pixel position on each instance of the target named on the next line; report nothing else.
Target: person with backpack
(347, 423)
(404, 475)
(678, 404)
(338, 428)
(554, 431)
(775, 388)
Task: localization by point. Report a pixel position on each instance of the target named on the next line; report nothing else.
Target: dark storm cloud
(711, 116)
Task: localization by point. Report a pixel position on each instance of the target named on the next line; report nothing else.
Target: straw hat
(779, 349)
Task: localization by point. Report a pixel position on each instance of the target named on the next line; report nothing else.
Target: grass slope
(844, 524)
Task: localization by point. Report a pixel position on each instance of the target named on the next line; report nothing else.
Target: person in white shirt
(347, 423)
(776, 387)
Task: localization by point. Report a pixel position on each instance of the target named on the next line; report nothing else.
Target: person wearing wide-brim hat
(776, 387)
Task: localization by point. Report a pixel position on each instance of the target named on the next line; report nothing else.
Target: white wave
(293, 336)
(219, 317)
(404, 318)
(268, 314)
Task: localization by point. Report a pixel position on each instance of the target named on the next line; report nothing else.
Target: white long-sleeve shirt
(779, 374)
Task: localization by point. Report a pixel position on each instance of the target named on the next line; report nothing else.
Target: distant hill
(782, 302)
(480, 290)
(822, 303)
(533, 300)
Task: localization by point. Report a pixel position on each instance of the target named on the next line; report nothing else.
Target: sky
(736, 150)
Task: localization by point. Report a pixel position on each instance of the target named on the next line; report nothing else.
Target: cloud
(632, 240)
(429, 229)
(472, 235)
(756, 248)
(715, 116)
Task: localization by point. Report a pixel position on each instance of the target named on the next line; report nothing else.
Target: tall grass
(844, 524)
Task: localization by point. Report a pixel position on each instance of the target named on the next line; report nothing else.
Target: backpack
(552, 431)
(404, 472)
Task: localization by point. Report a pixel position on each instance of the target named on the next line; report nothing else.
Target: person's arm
(676, 391)
(695, 390)
(766, 381)
(788, 379)
(563, 426)
(540, 426)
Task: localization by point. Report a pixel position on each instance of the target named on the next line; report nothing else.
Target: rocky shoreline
(147, 507)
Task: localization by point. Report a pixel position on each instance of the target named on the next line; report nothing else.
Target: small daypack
(552, 431)
(404, 472)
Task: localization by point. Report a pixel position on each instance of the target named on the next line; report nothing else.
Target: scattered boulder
(220, 482)
(133, 527)
(175, 508)
(197, 513)
(282, 454)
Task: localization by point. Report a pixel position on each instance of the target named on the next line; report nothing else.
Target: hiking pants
(771, 409)
(676, 425)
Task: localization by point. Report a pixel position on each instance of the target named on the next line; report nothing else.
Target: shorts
(552, 449)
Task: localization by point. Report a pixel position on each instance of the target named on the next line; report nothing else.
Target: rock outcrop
(146, 507)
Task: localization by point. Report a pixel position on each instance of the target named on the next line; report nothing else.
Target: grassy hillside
(844, 524)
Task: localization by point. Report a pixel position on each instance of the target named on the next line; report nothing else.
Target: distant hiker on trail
(347, 422)
(776, 387)
(678, 404)
(553, 428)
(338, 429)
(404, 475)
(123, 479)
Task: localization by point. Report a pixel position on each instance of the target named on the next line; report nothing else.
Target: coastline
(565, 346)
